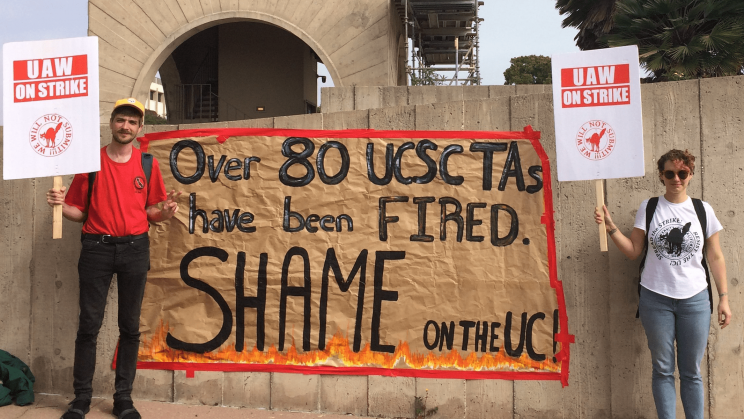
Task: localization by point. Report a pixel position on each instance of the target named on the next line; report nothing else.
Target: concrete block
(205, 388)
(252, 123)
(401, 117)
(391, 396)
(307, 121)
(118, 35)
(497, 91)
(489, 399)
(247, 389)
(157, 128)
(446, 395)
(367, 97)
(345, 394)
(722, 161)
(475, 92)
(336, 99)
(440, 116)
(393, 96)
(523, 111)
(156, 385)
(487, 115)
(531, 89)
(295, 392)
(423, 95)
(204, 125)
(16, 203)
(346, 120)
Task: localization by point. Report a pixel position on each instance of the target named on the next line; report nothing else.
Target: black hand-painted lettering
(397, 165)
(247, 166)
(217, 224)
(512, 352)
(466, 326)
(453, 216)
(331, 264)
(512, 159)
(349, 222)
(232, 165)
(472, 222)
(380, 296)
(173, 160)
(286, 222)
(288, 291)
(494, 336)
(320, 163)
(246, 218)
(311, 219)
(530, 350)
(513, 226)
(421, 148)
(227, 318)
(195, 212)
(384, 219)
(448, 336)
(431, 346)
(371, 165)
(242, 302)
(325, 221)
(444, 159)
(481, 335)
(214, 172)
(488, 149)
(421, 236)
(293, 158)
(533, 171)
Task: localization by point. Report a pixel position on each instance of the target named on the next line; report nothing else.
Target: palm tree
(593, 18)
(682, 39)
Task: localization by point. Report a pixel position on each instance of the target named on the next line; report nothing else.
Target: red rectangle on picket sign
(595, 96)
(50, 68)
(32, 91)
(595, 76)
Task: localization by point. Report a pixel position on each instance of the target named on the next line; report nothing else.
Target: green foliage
(152, 118)
(593, 18)
(420, 406)
(682, 39)
(428, 78)
(529, 69)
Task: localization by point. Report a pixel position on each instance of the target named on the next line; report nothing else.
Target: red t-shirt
(119, 194)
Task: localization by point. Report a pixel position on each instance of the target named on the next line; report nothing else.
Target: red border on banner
(562, 337)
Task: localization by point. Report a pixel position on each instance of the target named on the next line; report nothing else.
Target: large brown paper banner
(408, 253)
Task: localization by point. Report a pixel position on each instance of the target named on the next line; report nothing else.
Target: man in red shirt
(115, 241)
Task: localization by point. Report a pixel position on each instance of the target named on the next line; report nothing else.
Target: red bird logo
(51, 135)
(594, 140)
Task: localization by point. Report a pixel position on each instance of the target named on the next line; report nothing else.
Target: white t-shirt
(674, 258)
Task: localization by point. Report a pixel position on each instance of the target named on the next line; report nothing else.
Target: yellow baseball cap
(132, 102)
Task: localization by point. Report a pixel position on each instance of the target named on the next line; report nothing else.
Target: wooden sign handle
(602, 229)
(57, 212)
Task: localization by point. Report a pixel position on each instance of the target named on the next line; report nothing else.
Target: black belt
(105, 238)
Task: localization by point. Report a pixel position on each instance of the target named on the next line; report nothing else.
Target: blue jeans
(98, 262)
(688, 322)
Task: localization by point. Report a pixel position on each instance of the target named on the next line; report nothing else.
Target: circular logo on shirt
(50, 135)
(595, 140)
(139, 182)
(673, 240)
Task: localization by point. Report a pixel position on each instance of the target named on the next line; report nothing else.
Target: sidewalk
(48, 406)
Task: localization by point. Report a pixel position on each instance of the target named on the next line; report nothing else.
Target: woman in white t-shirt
(675, 304)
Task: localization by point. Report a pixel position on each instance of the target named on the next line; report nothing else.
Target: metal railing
(195, 103)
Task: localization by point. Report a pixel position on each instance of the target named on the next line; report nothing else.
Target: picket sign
(598, 118)
(51, 111)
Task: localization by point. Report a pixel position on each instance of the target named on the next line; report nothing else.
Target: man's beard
(116, 138)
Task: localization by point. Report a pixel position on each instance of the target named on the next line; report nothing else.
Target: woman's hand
(604, 215)
(724, 312)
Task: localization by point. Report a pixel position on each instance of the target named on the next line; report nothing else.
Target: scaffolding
(441, 40)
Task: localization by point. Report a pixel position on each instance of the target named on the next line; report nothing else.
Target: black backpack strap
(650, 210)
(91, 181)
(147, 168)
(703, 218)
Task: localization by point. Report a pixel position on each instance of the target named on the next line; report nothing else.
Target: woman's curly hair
(673, 155)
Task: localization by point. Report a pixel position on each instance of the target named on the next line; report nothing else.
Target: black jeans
(98, 262)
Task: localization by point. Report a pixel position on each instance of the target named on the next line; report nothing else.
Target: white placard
(598, 120)
(50, 108)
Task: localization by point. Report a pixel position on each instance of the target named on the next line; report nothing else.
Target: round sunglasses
(682, 174)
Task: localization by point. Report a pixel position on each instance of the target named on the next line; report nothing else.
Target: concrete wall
(136, 37)
(610, 368)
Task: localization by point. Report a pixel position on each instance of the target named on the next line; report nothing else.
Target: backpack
(702, 218)
(146, 162)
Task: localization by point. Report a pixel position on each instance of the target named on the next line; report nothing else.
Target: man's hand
(56, 196)
(170, 206)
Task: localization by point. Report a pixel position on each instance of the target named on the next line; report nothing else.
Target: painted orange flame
(338, 353)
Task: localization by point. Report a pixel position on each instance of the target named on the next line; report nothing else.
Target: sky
(510, 29)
